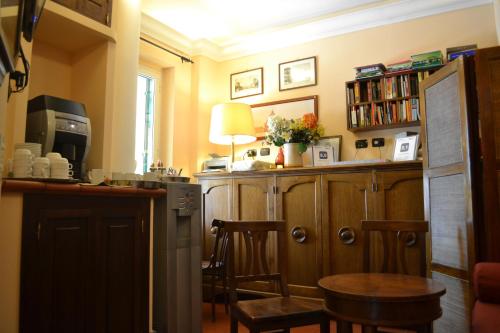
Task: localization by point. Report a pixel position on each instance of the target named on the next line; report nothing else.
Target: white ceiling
(225, 29)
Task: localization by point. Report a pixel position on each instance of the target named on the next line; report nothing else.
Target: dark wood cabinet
(99, 10)
(84, 264)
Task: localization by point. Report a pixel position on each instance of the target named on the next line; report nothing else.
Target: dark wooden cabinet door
(122, 267)
(55, 288)
(85, 265)
(99, 10)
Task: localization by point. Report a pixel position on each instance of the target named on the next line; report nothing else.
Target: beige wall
(336, 57)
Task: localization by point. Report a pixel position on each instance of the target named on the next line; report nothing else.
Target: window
(144, 125)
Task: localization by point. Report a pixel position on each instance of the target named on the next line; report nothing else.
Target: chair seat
(277, 309)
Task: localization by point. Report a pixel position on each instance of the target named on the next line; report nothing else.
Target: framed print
(335, 142)
(323, 155)
(247, 83)
(405, 149)
(287, 108)
(297, 74)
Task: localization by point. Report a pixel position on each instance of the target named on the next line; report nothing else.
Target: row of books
(380, 114)
(387, 88)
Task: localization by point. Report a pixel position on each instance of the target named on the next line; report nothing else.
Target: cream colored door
(298, 202)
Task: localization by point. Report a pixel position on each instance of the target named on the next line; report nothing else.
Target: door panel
(298, 203)
(345, 204)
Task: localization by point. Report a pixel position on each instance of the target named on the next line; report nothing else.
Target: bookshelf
(386, 101)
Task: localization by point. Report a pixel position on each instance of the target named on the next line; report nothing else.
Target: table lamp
(231, 124)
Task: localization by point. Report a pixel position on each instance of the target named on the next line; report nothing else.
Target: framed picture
(247, 83)
(297, 74)
(323, 155)
(405, 149)
(335, 142)
(287, 108)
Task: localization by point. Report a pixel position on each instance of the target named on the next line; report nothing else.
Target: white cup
(61, 173)
(52, 156)
(96, 176)
(22, 152)
(41, 171)
(22, 171)
(151, 176)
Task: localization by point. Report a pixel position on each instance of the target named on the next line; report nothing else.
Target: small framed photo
(247, 83)
(335, 142)
(297, 74)
(405, 149)
(322, 155)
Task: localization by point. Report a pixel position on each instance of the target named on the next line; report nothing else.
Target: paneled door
(447, 189)
(346, 201)
(298, 202)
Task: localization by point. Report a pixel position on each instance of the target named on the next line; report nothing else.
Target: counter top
(77, 189)
(351, 166)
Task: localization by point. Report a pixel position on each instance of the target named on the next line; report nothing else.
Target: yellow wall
(336, 57)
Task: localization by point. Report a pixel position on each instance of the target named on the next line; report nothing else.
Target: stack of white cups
(60, 168)
(23, 163)
(41, 167)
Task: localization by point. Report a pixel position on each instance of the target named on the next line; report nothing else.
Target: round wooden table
(379, 299)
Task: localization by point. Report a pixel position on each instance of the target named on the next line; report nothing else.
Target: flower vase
(280, 158)
(293, 156)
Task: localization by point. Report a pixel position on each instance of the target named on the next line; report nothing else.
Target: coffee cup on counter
(96, 176)
(60, 168)
(41, 167)
(22, 163)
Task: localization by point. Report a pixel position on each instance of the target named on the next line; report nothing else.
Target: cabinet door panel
(298, 203)
(253, 199)
(344, 206)
(399, 197)
(216, 203)
(96, 9)
(62, 275)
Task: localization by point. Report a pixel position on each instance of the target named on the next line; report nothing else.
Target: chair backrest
(254, 237)
(219, 251)
(397, 237)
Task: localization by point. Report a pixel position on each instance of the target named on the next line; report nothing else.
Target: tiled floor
(221, 325)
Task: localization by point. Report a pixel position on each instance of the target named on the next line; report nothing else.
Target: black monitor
(32, 11)
(11, 18)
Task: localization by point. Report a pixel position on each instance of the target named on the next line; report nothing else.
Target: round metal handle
(213, 230)
(410, 238)
(299, 234)
(347, 235)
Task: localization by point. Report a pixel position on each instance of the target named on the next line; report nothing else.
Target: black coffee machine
(62, 126)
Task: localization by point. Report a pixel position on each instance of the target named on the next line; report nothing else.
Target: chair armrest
(487, 282)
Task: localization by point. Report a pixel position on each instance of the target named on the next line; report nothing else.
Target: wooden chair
(397, 237)
(215, 268)
(277, 313)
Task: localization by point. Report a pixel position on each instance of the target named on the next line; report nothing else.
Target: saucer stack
(35, 148)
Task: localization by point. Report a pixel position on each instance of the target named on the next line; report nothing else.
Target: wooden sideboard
(327, 203)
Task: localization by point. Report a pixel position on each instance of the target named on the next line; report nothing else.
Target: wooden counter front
(22, 186)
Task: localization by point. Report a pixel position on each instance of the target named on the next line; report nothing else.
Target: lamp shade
(231, 123)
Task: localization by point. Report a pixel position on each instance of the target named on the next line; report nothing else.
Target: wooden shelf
(384, 127)
(379, 108)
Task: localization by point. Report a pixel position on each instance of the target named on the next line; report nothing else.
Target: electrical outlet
(265, 151)
(252, 152)
(378, 142)
(363, 143)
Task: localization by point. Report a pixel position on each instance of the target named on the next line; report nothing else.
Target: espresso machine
(62, 126)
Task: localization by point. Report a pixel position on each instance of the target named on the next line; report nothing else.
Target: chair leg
(368, 329)
(234, 325)
(344, 326)
(213, 297)
(226, 296)
(324, 326)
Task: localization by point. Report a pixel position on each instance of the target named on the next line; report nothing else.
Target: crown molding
(334, 25)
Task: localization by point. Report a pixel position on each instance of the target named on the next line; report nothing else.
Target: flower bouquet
(301, 130)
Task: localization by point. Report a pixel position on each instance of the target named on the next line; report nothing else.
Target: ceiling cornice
(240, 46)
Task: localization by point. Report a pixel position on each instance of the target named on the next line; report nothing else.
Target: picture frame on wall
(288, 108)
(297, 74)
(406, 148)
(247, 83)
(334, 141)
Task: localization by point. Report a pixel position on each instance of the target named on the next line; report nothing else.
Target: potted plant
(293, 135)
